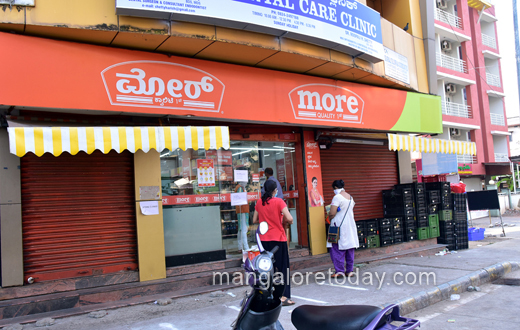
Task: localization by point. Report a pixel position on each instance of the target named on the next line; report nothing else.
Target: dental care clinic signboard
(347, 26)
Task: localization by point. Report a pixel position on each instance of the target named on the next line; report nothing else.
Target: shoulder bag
(333, 234)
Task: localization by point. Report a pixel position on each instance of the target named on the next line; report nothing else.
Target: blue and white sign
(396, 66)
(435, 163)
(347, 26)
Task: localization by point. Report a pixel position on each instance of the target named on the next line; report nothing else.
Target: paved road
(379, 283)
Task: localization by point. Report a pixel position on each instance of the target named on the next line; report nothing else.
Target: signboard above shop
(96, 78)
(346, 26)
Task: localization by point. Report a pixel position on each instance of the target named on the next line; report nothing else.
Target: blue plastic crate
(476, 234)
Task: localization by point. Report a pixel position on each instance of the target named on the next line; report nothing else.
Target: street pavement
(377, 284)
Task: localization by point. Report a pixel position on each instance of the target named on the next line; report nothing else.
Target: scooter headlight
(265, 264)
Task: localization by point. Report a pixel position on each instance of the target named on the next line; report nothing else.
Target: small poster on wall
(241, 176)
(205, 173)
(256, 177)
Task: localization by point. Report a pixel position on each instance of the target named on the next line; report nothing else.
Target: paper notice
(238, 198)
(149, 208)
(241, 176)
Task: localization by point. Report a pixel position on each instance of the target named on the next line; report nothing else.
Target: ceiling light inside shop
(283, 147)
(254, 148)
(242, 152)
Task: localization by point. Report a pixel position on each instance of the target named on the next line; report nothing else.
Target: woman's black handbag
(333, 235)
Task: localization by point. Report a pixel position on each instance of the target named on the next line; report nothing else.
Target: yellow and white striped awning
(479, 4)
(414, 143)
(56, 140)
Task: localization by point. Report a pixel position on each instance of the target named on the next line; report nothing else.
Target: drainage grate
(508, 281)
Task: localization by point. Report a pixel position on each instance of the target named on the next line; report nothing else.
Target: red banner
(205, 199)
(313, 165)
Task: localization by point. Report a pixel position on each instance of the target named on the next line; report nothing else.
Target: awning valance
(56, 140)
(479, 4)
(414, 143)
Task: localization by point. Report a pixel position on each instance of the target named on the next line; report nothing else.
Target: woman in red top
(273, 210)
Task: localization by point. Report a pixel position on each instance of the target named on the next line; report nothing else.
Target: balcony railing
(489, 41)
(493, 79)
(497, 119)
(466, 159)
(456, 109)
(451, 63)
(448, 18)
(501, 158)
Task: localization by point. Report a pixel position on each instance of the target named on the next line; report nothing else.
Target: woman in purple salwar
(348, 239)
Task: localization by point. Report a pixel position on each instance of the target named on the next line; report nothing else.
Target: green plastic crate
(445, 215)
(373, 241)
(423, 232)
(433, 220)
(434, 231)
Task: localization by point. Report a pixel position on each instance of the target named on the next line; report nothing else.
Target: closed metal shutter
(366, 171)
(78, 215)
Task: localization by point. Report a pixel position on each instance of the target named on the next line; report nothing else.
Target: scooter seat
(346, 317)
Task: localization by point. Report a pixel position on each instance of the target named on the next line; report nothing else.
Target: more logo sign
(321, 102)
(163, 85)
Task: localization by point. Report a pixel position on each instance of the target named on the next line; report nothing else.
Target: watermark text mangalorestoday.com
(378, 279)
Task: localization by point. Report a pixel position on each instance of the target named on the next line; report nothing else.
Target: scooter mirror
(264, 227)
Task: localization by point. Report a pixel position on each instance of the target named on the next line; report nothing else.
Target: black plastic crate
(409, 224)
(397, 221)
(371, 223)
(362, 246)
(386, 230)
(362, 240)
(397, 227)
(433, 209)
(398, 232)
(385, 222)
(446, 224)
(461, 228)
(423, 223)
(398, 239)
(445, 206)
(437, 185)
(387, 241)
(433, 193)
(361, 225)
(423, 216)
(410, 237)
(409, 230)
(394, 205)
(405, 211)
(459, 216)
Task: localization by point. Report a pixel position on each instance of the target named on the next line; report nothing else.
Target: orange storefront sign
(46, 73)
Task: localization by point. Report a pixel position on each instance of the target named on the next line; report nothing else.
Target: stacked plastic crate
(399, 203)
(362, 234)
(372, 233)
(441, 194)
(460, 221)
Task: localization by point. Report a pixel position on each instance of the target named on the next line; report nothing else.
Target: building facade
(470, 84)
(138, 139)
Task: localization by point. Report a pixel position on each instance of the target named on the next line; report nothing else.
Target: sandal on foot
(288, 302)
(336, 275)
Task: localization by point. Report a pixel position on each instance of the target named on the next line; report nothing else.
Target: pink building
(470, 84)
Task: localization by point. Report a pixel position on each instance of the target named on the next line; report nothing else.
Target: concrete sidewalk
(414, 283)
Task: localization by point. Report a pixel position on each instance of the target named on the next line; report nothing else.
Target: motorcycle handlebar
(273, 251)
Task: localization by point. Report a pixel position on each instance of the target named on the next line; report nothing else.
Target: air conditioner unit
(446, 46)
(442, 4)
(451, 89)
(454, 132)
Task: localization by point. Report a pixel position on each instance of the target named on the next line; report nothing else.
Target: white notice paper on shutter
(149, 208)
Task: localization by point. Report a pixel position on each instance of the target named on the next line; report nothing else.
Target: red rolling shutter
(366, 170)
(78, 215)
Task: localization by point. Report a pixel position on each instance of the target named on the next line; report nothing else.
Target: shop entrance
(202, 221)
(78, 214)
(366, 170)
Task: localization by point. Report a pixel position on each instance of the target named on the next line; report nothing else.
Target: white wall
(472, 184)
(506, 41)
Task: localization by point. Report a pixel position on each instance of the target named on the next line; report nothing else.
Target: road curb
(444, 291)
